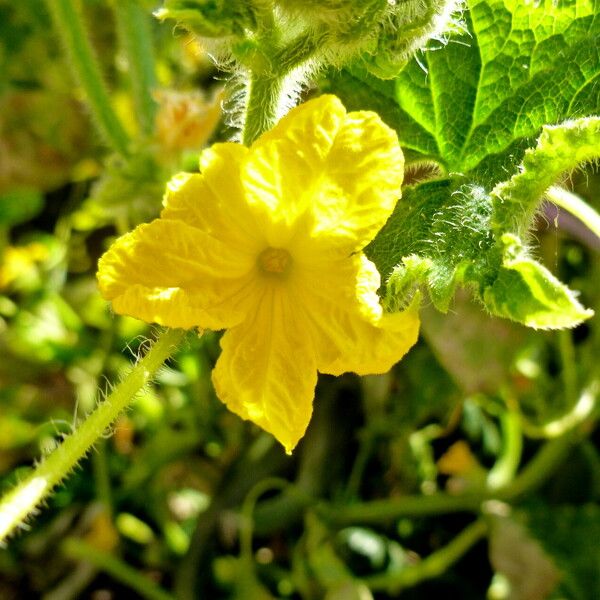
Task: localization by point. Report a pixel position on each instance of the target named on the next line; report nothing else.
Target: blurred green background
(388, 493)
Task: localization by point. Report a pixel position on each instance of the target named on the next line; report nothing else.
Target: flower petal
(170, 273)
(344, 170)
(213, 200)
(349, 328)
(266, 372)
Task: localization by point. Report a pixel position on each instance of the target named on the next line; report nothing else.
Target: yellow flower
(267, 243)
(186, 120)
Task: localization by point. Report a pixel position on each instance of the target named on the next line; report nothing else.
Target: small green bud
(345, 27)
(211, 18)
(408, 26)
(526, 292)
(383, 33)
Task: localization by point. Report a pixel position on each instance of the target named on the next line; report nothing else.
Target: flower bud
(408, 26)
(185, 120)
(344, 27)
(211, 18)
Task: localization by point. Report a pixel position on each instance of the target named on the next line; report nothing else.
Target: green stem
(116, 568)
(503, 471)
(102, 477)
(22, 500)
(86, 71)
(576, 206)
(365, 449)
(135, 36)
(535, 474)
(263, 97)
(378, 511)
(568, 371)
(539, 468)
(579, 413)
(434, 565)
(268, 85)
(247, 523)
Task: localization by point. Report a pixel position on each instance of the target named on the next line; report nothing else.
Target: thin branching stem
(532, 476)
(433, 565)
(115, 567)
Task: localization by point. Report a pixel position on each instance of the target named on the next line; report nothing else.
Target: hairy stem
(271, 85)
(22, 500)
(69, 25)
(135, 35)
(262, 103)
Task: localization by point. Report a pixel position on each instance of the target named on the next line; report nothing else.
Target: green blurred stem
(578, 413)
(102, 476)
(576, 206)
(69, 25)
(505, 468)
(569, 373)
(365, 449)
(434, 565)
(379, 511)
(4, 242)
(135, 35)
(535, 474)
(22, 500)
(537, 471)
(247, 523)
(116, 568)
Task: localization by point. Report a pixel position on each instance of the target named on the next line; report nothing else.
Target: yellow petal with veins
(267, 371)
(173, 274)
(349, 328)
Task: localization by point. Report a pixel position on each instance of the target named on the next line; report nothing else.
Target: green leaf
(474, 106)
(476, 103)
(560, 148)
(359, 90)
(439, 234)
(527, 292)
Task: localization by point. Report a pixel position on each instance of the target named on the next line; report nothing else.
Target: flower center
(275, 261)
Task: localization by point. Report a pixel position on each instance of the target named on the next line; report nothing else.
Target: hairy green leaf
(439, 234)
(474, 106)
(476, 103)
(559, 149)
(527, 292)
